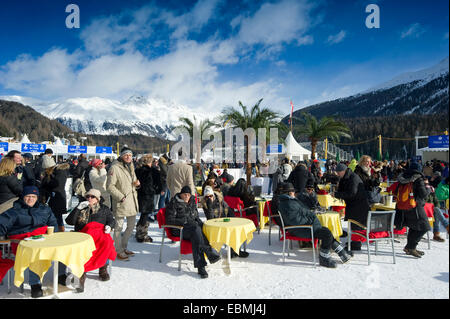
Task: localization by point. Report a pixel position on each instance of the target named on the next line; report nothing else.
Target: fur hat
(47, 162)
(94, 192)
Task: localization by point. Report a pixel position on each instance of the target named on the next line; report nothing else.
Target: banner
(77, 149)
(33, 148)
(103, 149)
(438, 141)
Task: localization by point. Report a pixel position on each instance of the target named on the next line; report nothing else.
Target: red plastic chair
(284, 232)
(237, 205)
(185, 245)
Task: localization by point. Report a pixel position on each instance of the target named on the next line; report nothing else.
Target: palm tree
(202, 126)
(255, 118)
(326, 127)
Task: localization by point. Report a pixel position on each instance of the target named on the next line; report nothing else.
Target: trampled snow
(263, 275)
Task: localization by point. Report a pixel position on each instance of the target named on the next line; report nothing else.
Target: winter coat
(295, 213)
(217, 208)
(150, 186)
(119, 185)
(98, 182)
(27, 174)
(178, 176)
(351, 190)
(80, 218)
(10, 187)
(300, 177)
(163, 166)
(22, 218)
(415, 218)
(179, 213)
(442, 191)
(369, 181)
(53, 186)
(310, 200)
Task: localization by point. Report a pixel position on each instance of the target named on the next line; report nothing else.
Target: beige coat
(119, 184)
(180, 175)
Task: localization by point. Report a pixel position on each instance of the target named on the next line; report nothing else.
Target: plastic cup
(50, 230)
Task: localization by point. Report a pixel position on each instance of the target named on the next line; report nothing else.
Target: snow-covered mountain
(136, 115)
(421, 92)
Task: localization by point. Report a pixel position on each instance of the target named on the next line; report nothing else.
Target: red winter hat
(96, 162)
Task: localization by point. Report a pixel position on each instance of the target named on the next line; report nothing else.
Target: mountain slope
(137, 115)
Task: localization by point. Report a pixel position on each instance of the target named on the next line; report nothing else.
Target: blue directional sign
(76, 149)
(438, 141)
(103, 149)
(4, 146)
(274, 148)
(33, 148)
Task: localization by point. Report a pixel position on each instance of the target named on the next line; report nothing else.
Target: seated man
(215, 207)
(96, 219)
(309, 197)
(182, 211)
(294, 213)
(28, 215)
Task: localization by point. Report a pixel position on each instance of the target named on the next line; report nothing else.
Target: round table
(233, 233)
(73, 249)
(332, 221)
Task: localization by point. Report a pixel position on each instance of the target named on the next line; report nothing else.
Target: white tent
(295, 151)
(25, 139)
(428, 154)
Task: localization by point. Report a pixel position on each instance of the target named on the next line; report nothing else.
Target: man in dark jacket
(299, 177)
(294, 212)
(415, 219)
(351, 190)
(182, 211)
(309, 197)
(26, 215)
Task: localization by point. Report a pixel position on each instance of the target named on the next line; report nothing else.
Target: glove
(83, 205)
(107, 229)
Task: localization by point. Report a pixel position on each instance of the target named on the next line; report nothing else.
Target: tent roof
(293, 148)
(25, 139)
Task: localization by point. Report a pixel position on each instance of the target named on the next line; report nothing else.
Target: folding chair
(7, 261)
(380, 226)
(185, 245)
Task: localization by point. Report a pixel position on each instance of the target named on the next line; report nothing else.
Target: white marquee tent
(295, 151)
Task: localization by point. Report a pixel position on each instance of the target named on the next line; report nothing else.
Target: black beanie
(186, 189)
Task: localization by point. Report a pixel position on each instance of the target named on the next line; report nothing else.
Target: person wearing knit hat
(48, 162)
(122, 184)
(182, 211)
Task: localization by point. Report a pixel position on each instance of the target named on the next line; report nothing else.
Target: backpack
(78, 186)
(405, 197)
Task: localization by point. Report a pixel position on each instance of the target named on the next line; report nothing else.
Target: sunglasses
(90, 196)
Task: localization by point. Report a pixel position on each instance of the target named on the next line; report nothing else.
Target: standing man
(180, 174)
(23, 172)
(163, 163)
(122, 184)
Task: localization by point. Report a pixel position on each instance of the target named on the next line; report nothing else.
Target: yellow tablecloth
(73, 249)
(332, 221)
(262, 219)
(381, 206)
(328, 201)
(324, 187)
(233, 233)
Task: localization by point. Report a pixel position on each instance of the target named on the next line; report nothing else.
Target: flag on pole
(292, 109)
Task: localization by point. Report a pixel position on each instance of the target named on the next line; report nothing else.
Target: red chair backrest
(186, 245)
(236, 204)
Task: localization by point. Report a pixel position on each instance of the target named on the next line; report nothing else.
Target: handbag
(78, 186)
(374, 195)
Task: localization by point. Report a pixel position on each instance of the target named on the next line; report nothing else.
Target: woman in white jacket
(97, 176)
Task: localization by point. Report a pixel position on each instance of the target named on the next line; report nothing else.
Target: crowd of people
(111, 194)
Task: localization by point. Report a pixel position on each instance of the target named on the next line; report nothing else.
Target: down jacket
(22, 218)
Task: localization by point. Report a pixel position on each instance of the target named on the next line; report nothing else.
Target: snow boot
(437, 237)
(326, 260)
(142, 233)
(412, 252)
(103, 273)
(339, 249)
(202, 272)
(36, 291)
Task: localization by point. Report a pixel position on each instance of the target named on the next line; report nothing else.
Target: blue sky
(209, 54)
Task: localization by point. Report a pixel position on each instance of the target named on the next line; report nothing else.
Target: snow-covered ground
(264, 276)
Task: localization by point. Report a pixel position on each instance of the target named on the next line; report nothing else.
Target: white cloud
(415, 30)
(337, 38)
